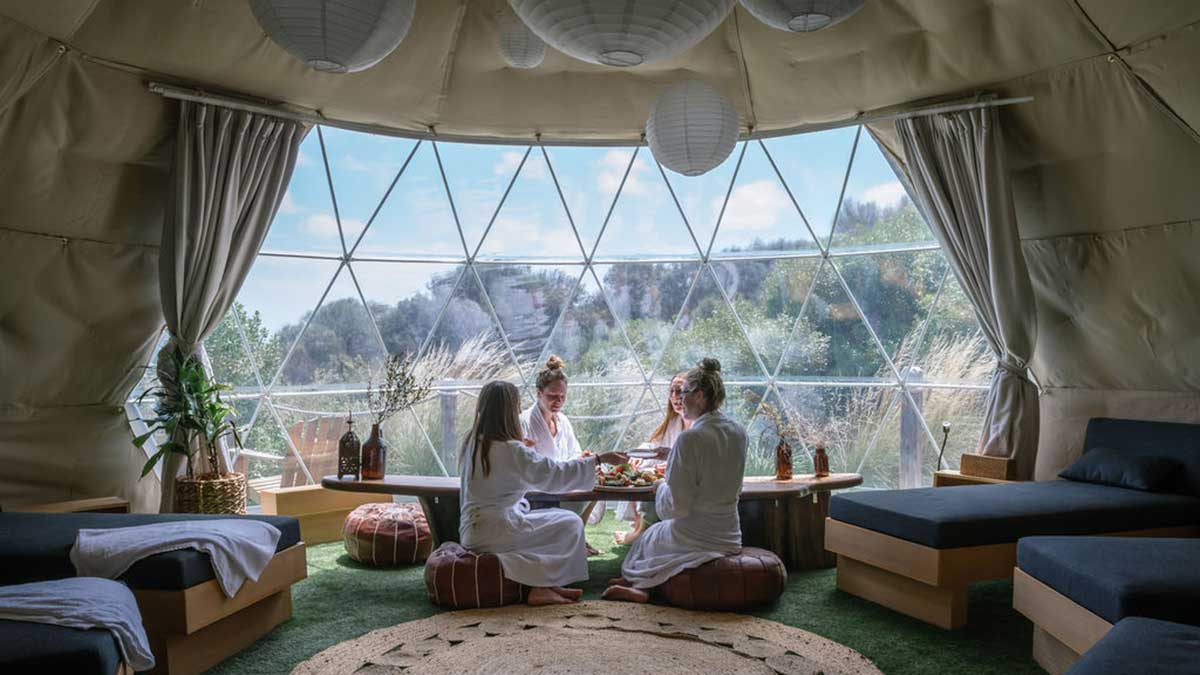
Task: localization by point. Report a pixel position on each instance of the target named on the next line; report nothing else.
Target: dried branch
(401, 388)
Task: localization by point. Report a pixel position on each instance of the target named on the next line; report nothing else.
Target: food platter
(639, 453)
(624, 478)
(625, 490)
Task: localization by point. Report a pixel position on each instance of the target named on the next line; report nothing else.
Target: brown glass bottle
(374, 455)
(820, 462)
(783, 461)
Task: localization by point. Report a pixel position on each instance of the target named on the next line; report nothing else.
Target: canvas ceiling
(1104, 166)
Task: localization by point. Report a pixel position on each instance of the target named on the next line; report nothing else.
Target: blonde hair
(706, 377)
(497, 418)
(661, 432)
(553, 372)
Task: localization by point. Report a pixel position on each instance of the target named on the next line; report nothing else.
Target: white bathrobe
(697, 503)
(561, 446)
(626, 510)
(535, 548)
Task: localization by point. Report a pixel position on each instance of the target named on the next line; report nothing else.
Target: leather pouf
(750, 578)
(456, 578)
(385, 534)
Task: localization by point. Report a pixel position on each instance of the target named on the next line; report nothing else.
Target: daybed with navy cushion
(191, 624)
(1075, 588)
(916, 551)
(35, 647)
(1146, 647)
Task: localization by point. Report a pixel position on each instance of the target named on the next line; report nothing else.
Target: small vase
(349, 452)
(783, 461)
(374, 455)
(820, 462)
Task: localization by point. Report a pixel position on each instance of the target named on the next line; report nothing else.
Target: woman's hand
(612, 458)
(529, 442)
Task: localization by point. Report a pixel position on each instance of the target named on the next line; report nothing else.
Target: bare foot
(626, 538)
(592, 550)
(571, 594)
(623, 594)
(619, 581)
(545, 596)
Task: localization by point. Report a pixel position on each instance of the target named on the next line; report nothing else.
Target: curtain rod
(199, 96)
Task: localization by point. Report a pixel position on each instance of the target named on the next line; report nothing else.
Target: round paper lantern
(622, 32)
(802, 16)
(336, 36)
(692, 128)
(519, 46)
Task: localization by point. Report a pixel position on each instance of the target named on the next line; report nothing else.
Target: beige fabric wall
(1105, 164)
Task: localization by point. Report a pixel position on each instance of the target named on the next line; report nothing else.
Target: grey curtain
(957, 172)
(230, 173)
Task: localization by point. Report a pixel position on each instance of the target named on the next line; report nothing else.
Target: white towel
(239, 549)
(82, 603)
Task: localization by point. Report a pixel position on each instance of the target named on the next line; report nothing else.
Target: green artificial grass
(341, 600)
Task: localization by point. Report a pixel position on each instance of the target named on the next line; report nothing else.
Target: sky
(416, 222)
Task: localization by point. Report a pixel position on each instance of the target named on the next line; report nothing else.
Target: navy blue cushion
(974, 515)
(1116, 577)
(35, 547)
(1121, 468)
(42, 648)
(1145, 647)
(1179, 441)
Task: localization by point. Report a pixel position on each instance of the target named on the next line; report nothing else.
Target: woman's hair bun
(554, 363)
(710, 364)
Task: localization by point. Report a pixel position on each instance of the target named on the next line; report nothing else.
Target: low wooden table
(786, 517)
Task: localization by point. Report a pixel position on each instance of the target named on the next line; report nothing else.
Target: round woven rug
(589, 637)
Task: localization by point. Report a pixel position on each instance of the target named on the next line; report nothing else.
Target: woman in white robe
(698, 499)
(544, 549)
(643, 514)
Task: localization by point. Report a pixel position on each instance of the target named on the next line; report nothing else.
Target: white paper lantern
(336, 36)
(802, 16)
(622, 32)
(519, 46)
(692, 128)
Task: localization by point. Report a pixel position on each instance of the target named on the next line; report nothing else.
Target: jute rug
(589, 637)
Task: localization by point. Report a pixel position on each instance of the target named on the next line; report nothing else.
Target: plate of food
(624, 478)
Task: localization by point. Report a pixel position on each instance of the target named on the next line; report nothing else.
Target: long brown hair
(497, 418)
(661, 432)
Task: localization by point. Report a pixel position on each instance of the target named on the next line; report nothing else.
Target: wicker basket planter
(211, 494)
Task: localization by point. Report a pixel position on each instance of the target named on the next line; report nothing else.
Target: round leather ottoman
(456, 578)
(750, 578)
(384, 534)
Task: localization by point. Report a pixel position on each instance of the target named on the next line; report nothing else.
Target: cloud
(324, 226)
(612, 168)
(885, 194)
(289, 205)
(535, 166)
(753, 207)
(302, 159)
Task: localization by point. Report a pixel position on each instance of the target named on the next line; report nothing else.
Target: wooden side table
(949, 477)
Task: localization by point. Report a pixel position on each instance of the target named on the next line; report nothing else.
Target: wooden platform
(321, 511)
(1072, 628)
(194, 629)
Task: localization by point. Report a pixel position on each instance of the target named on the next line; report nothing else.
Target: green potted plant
(194, 419)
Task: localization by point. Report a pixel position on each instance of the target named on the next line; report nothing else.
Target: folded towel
(239, 549)
(82, 603)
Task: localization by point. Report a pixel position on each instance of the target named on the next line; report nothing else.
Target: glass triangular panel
(363, 167)
(406, 298)
(707, 327)
(599, 414)
(649, 412)
(845, 419)
(768, 296)
(646, 299)
(416, 221)
(414, 436)
(895, 292)
(276, 296)
(528, 300)
(590, 339)
(831, 340)
(953, 349)
(963, 410)
(645, 223)
(478, 175)
(589, 178)
(768, 422)
(532, 223)
(759, 218)
(466, 344)
(226, 351)
(903, 455)
(700, 197)
(337, 343)
(305, 221)
(813, 166)
(876, 208)
(261, 434)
